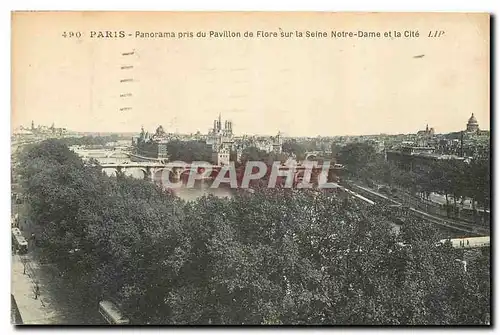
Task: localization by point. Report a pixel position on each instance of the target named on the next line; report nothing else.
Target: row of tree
(190, 151)
(90, 140)
(256, 154)
(452, 178)
(273, 257)
(298, 149)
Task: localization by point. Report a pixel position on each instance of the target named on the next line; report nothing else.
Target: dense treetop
(459, 178)
(277, 256)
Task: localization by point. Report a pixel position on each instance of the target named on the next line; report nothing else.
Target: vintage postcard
(250, 168)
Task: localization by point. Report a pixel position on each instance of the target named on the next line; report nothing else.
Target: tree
(478, 184)
(189, 151)
(253, 154)
(355, 156)
(292, 147)
(277, 256)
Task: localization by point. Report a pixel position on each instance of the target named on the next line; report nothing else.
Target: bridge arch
(315, 154)
(157, 172)
(117, 154)
(129, 171)
(110, 171)
(311, 156)
(161, 174)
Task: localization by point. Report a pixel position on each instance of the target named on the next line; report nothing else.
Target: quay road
(449, 224)
(59, 301)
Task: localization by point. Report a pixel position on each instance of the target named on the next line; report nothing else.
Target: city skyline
(236, 133)
(301, 87)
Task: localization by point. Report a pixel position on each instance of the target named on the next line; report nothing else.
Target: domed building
(150, 147)
(472, 125)
(160, 133)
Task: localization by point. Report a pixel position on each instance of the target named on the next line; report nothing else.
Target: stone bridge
(314, 154)
(150, 169)
(96, 153)
(178, 172)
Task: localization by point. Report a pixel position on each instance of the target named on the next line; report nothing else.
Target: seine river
(201, 188)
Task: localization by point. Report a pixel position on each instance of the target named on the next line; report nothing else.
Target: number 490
(69, 34)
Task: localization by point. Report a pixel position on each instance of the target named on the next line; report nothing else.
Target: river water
(200, 188)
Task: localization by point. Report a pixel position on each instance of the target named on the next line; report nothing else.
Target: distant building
(239, 154)
(472, 125)
(415, 150)
(427, 132)
(412, 157)
(22, 131)
(277, 143)
(40, 131)
(424, 137)
(379, 146)
(264, 144)
(221, 140)
(154, 146)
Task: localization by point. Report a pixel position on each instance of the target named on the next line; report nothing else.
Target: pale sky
(299, 86)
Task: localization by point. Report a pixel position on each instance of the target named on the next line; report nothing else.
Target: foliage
(298, 149)
(450, 177)
(89, 140)
(278, 256)
(256, 154)
(292, 147)
(189, 151)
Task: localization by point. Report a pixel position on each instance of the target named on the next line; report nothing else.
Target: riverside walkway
(33, 311)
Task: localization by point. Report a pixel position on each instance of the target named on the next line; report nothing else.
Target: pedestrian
(37, 291)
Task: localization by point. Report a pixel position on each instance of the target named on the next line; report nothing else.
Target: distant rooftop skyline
(301, 87)
(153, 129)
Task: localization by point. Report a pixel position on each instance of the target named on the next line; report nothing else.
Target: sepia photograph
(250, 168)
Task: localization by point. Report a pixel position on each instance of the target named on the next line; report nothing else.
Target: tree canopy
(459, 178)
(90, 140)
(277, 256)
(256, 154)
(189, 151)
